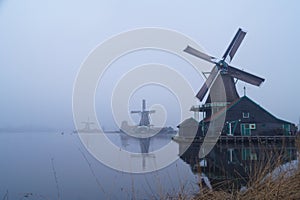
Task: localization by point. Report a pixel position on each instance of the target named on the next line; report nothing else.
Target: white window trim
(246, 115)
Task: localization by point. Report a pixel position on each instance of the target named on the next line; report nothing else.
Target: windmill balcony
(204, 107)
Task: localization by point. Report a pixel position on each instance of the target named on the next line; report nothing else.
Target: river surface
(53, 165)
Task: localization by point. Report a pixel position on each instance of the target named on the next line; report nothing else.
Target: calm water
(27, 171)
(56, 166)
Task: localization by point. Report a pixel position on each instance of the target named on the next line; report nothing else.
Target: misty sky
(43, 43)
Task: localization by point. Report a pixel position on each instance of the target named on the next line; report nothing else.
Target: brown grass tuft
(262, 185)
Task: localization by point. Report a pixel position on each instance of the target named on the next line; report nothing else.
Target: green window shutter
(245, 130)
(242, 129)
(286, 129)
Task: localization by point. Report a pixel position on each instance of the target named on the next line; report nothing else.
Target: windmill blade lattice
(234, 45)
(245, 76)
(209, 81)
(199, 54)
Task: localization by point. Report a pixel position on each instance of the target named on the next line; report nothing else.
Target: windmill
(145, 114)
(87, 125)
(222, 71)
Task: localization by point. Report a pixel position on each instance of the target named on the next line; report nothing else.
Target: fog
(44, 43)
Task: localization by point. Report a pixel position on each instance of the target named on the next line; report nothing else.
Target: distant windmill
(222, 71)
(145, 114)
(87, 124)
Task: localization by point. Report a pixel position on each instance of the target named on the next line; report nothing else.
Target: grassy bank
(281, 188)
(269, 181)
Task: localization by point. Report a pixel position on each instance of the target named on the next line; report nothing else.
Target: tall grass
(268, 180)
(55, 178)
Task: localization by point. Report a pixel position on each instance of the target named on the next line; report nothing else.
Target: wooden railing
(242, 139)
(276, 138)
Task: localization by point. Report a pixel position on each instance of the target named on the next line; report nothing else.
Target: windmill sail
(202, 92)
(234, 45)
(245, 76)
(199, 54)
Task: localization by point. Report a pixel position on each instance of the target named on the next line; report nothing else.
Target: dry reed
(264, 182)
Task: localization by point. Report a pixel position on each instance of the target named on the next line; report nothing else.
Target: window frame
(246, 115)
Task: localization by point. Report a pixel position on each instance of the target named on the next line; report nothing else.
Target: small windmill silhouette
(87, 124)
(145, 114)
